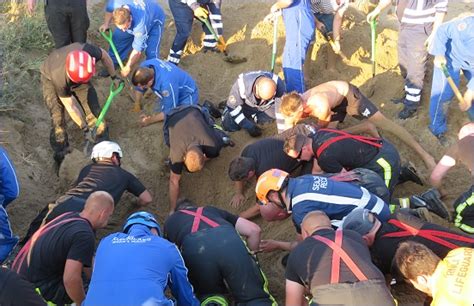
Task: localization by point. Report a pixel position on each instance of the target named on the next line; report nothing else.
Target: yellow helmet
(273, 179)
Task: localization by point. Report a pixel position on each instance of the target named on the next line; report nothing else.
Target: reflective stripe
(236, 111)
(48, 303)
(241, 84)
(210, 36)
(239, 118)
(413, 91)
(173, 59)
(379, 206)
(209, 44)
(417, 12)
(404, 202)
(275, 78)
(387, 170)
(418, 20)
(215, 299)
(458, 220)
(215, 16)
(413, 98)
(217, 25)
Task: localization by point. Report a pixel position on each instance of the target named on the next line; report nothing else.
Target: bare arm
(337, 24)
(271, 245)
(74, 110)
(148, 120)
(316, 168)
(144, 198)
(281, 4)
(439, 172)
(174, 190)
(250, 230)
(383, 4)
(439, 17)
(294, 293)
(31, 6)
(72, 279)
(106, 25)
(108, 63)
(132, 60)
(238, 197)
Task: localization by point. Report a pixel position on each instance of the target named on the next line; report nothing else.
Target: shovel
(222, 46)
(373, 38)
(114, 90)
(275, 39)
(108, 37)
(455, 89)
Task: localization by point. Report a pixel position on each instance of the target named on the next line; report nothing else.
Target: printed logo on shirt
(130, 239)
(165, 93)
(319, 182)
(366, 113)
(462, 26)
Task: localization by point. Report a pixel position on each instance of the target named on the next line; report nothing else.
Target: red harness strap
(338, 254)
(26, 249)
(433, 235)
(344, 135)
(198, 216)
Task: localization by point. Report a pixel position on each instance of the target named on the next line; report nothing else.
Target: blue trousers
(300, 32)
(123, 42)
(183, 19)
(229, 124)
(7, 240)
(441, 93)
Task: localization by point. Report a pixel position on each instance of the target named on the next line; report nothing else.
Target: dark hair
(415, 259)
(184, 203)
(142, 75)
(240, 167)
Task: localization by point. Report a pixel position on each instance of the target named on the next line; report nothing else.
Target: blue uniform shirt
(9, 186)
(455, 40)
(308, 193)
(174, 86)
(145, 14)
(135, 269)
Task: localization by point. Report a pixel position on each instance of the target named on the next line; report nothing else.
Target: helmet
(142, 217)
(80, 66)
(105, 149)
(273, 179)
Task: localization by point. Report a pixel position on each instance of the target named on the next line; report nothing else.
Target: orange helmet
(80, 66)
(273, 179)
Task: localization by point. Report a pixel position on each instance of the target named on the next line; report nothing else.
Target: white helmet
(105, 149)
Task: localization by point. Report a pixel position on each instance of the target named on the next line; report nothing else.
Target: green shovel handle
(108, 37)
(373, 36)
(113, 92)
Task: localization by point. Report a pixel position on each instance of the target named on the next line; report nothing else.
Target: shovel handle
(113, 92)
(108, 37)
(275, 38)
(373, 36)
(218, 38)
(455, 89)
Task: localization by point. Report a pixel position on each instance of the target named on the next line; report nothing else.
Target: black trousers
(67, 21)
(218, 256)
(15, 291)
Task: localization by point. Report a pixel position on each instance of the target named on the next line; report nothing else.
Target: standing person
(219, 262)
(383, 238)
(65, 77)
(67, 20)
(135, 266)
(183, 12)
(330, 103)
(419, 21)
(60, 253)
(299, 26)
(449, 281)
(334, 266)
(9, 191)
(462, 151)
(192, 140)
(103, 174)
(451, 47)
(173, 86)
(252, 101)
(139, 29)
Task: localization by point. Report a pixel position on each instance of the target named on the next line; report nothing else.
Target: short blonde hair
(121, 16)
(290, 103)
(194, 159)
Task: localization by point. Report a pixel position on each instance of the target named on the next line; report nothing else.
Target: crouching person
(334, 266)
(135, 266)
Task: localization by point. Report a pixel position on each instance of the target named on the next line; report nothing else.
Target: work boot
(422, 213)
(408, 111)
(213, 111)
(210, 49)
(222, 104)
(409, 173)
(434, 204)
(398, 100)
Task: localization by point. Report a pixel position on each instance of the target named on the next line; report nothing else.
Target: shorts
(356, 105)
(353, 294)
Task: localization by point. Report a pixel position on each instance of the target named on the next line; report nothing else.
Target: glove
(255, 131)
(201, 12)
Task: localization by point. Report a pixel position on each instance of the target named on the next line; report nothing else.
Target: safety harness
(337, 255)
(25, 252)
(432, 235)
(344, 135)
(198, 217)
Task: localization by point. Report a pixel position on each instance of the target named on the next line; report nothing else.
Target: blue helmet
(142, 217)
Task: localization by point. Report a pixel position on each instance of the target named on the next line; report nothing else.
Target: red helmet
(80, 66)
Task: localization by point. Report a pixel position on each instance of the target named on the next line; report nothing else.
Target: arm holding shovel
(383, 4)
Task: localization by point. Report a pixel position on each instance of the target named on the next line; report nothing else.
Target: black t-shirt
(384, 248)
(309, 264)
(73, 240)
(345, 153)
(268, 154)
(104, 176)
(188, 127)
(54, 67)
(179, 224)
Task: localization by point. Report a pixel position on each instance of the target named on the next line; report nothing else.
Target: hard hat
(273, 179)
(80, 66)
(142, 217)
(105, 149)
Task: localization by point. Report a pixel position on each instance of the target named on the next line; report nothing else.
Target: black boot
(408, 111)
(434, 203)
(408, 173)
(213, 111)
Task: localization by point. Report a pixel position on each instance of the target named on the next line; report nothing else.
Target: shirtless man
(330, 102)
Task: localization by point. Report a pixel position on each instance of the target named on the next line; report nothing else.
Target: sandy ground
(25, 131)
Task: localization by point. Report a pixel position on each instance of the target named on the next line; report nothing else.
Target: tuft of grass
(24, 43)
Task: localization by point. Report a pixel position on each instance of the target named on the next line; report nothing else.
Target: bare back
(321, 99)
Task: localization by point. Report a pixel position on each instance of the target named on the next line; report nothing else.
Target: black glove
(255, 131)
